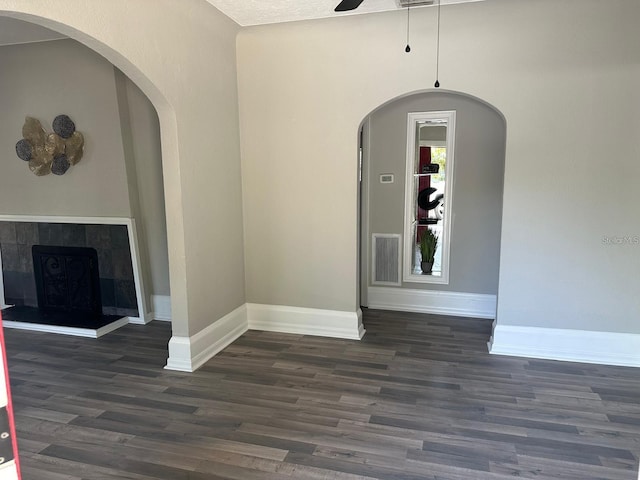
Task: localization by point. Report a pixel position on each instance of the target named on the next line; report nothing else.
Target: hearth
(68, 290)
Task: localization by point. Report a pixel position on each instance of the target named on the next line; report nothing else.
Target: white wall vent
(386, 263)
(414, 3)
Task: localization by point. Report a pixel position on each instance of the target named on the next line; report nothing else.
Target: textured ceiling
(243, 12)
(258, 12)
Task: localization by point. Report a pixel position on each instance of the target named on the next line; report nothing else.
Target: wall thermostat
(386, 178)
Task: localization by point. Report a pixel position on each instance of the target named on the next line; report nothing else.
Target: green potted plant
(428, 245)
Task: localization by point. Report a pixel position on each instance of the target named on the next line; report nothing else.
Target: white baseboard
(605, 348)
(161, 307)
(141, 320)
(433, 301)
(306, 321)
(187, 354)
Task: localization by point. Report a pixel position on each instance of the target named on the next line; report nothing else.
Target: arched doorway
(160, 50)
(129, 103)
(475, 207)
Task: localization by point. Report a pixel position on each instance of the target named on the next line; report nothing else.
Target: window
(428, 196)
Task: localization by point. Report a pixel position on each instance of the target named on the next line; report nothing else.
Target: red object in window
(424, 182)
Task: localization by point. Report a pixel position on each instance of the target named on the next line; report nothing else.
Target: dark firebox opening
(67, 280)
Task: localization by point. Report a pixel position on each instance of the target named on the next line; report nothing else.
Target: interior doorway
(120, 177)
(474, 202)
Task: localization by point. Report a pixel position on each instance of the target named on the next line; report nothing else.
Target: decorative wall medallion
(24, 150)
(63, 126)
(50, 153)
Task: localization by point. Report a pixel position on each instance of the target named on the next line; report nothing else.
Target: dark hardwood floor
(419, 398)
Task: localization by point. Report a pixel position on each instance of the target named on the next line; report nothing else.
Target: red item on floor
(9, 466)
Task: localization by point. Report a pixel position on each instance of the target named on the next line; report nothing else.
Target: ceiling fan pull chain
(437, 84)
(408, 48)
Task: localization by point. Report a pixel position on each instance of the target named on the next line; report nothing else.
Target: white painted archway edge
(86, 24)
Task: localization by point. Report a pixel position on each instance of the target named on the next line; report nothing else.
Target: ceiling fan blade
(346, 5)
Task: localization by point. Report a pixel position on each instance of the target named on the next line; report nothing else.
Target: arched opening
(477, 178)
(120, 117)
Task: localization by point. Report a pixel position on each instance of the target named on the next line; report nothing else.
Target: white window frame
(413, 118)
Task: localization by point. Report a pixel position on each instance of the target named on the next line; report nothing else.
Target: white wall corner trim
(187, 354)
(306, 321)
(148, 316)
(161, 307)
(606, 348)
(433, 301)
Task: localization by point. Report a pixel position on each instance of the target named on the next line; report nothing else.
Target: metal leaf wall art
(53, 152)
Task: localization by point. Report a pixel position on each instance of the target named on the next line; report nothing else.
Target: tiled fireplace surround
(111, 242)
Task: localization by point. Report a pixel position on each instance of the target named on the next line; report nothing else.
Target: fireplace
(74, 278)
(111, 242)
(67, 279)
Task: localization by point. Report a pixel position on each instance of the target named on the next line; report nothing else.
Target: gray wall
(14, 31)
(477, 188)
(143, 160)
(555, 69)
(121, 172)
(145, 133)
(43, 80)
